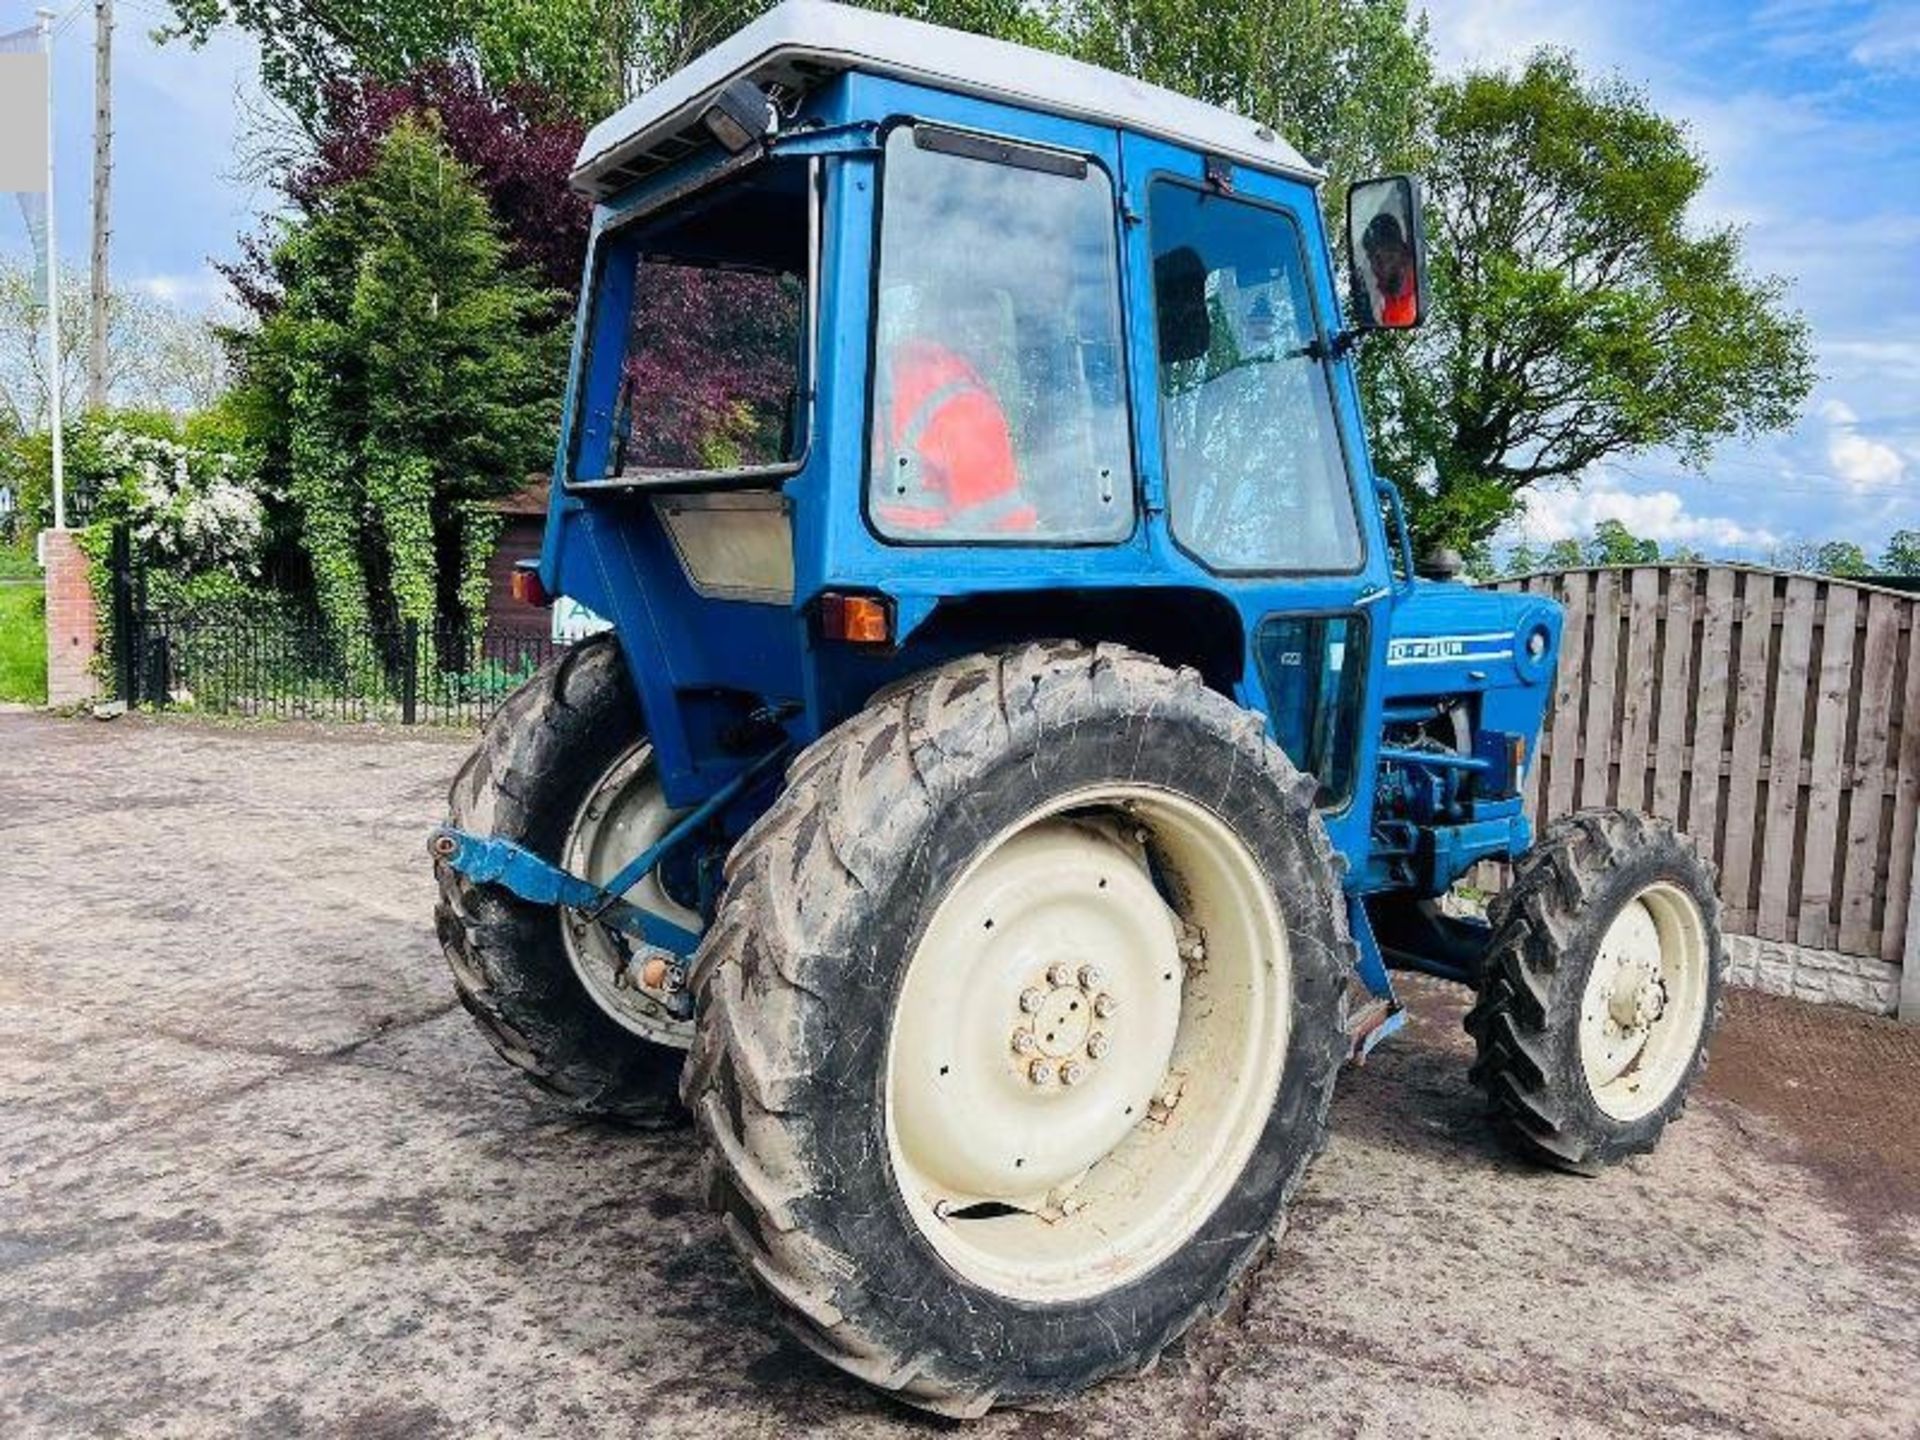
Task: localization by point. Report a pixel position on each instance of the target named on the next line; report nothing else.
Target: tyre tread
(529, 739)
(820, 840)
(1512, 1021)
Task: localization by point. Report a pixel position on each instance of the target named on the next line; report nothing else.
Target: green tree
(158, 356)
(1902, 555)
(1564, 555)
(407, 373)
(1522, 559)
(1613, 544)
(1843, 558)
(1803, 555)
(1346, 81)
(586, 52)
(590, 55)
(1578, 314)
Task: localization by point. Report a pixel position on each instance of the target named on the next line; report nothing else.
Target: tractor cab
(1021, 725)
(898, 343)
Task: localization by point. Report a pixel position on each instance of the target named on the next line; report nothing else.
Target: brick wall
(72, 635)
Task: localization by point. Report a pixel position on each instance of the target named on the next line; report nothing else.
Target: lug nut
(1059, 974)
(1096, 1045)
(1031, 1001)
(1024, 1043)
(1091, 978)
(1040, 1073)
(1072, 1073)
(1104, 1005)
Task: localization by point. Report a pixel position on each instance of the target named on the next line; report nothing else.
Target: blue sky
(1809, 111)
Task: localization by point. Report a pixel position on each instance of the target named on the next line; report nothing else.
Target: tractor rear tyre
(564, 769)
(1601, 989)
(1019, 1023)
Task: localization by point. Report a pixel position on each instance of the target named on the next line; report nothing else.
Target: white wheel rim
(622, 815)
(1645, 1002)
(1056, 1186)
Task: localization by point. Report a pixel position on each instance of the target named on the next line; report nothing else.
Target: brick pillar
(72, 627)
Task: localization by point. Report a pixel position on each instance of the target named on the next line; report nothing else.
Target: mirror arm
(1342, 343)
(1390, 492)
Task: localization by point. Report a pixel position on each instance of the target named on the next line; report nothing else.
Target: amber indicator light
(856, 619)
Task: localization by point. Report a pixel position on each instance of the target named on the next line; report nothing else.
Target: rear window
(712, 333)
(712, 378)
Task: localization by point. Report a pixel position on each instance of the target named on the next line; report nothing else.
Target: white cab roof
(803, 42)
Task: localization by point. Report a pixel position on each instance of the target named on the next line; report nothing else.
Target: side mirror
(1387, 253)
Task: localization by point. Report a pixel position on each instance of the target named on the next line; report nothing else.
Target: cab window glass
(1314, 669)
(713, 347)
(1255, 476)
(999, 399)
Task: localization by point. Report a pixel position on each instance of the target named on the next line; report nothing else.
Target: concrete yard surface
(259, 1176)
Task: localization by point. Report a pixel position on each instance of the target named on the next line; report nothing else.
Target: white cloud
(1482, 33)
(1874, 359)
(1864, 463)
(1572, 514)
(1890, 40)
(200, 292)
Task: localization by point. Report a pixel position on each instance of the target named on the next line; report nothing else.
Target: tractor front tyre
(1019, 1023)
(564, 769)
(1601, 989)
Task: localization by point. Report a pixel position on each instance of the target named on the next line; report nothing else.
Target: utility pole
(53, 296)
(102, 200)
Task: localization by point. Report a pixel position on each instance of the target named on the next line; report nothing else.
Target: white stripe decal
(1455, 659)
(1445, 649)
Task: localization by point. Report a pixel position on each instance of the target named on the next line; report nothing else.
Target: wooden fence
(1774, 717)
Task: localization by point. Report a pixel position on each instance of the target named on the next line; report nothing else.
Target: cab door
(1256, 471)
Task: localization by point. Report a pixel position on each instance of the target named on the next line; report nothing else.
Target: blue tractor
(1020, 724)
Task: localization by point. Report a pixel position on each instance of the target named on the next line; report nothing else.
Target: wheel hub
(624, 814)
(1637, 998)
(1055, 1026)
(1645, 1002)
(1034, 1061)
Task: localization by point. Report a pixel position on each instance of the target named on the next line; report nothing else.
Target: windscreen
(1256, 478)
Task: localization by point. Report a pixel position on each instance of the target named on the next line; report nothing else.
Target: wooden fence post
(1910, 962)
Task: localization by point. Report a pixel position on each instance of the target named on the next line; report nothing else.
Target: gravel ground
(259, 1176)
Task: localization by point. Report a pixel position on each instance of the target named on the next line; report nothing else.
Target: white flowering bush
(190, 509)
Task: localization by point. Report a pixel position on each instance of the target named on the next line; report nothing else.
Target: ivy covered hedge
(403, 373)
